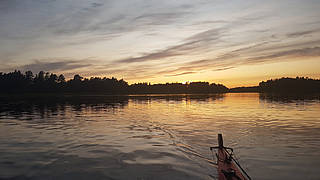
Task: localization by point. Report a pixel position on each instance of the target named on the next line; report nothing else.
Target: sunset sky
(230, 42)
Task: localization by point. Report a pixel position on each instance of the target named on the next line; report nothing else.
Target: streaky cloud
(196, 42)
(302, 33)
(181, 74)
(227, 61)
(150, 57)
(222, 69)
(65, 65)
(303, 52)
(96, 4)
(163, 18)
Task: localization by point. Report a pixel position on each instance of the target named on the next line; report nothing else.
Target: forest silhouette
(287, 85)
(45, 82)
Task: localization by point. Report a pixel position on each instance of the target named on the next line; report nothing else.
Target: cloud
(195, 43)
(304, 52)
(45, 19)
(201, 65)
(222, 69)
(210, 22)
(163, 18)
(66, 65)
(180, 74)
(150, 57)
(229, 61)
(112, 18)
(96, 4)
(301, 33)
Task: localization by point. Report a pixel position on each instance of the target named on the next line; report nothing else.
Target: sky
(234, 42)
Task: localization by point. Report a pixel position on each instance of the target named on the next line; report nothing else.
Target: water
(158, 137)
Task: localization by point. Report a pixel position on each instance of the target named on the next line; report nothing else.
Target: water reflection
(177, 97)
(110, 137)
(54, 105)
(289, 98)
(157, 136)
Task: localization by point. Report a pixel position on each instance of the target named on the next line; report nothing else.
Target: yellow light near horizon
(248, 75)
(186, 82)
(251, 75)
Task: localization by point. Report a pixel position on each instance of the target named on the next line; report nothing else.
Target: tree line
(45, 82)
(290, 85)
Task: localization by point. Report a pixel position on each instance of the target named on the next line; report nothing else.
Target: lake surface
(158, 136)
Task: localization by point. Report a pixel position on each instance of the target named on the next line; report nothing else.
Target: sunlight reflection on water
(158, 136)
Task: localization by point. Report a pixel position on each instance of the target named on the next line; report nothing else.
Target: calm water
(158, 137)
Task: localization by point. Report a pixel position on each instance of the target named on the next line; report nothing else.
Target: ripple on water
(159, 138)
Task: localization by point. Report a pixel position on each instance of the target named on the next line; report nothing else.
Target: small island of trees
(290, 85)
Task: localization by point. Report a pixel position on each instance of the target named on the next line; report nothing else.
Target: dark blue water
(158, 137)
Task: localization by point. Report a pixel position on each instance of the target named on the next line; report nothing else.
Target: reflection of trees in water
(288, 98)
(48, 106)
(57, 105)
(177, 98)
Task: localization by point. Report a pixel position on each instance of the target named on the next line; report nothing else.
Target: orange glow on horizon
(247, 75)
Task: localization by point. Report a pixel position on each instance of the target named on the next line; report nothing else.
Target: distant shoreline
(51, 84)
(51, 95)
